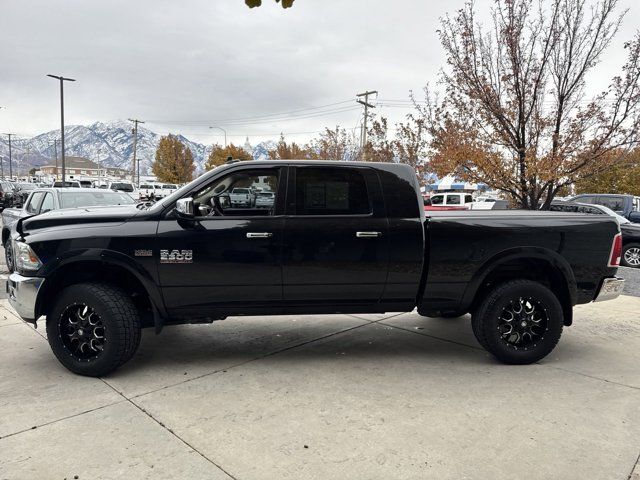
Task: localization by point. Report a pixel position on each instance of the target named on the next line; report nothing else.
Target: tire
(519, 322)
(93, 328)
(631, 255)
(8, 255)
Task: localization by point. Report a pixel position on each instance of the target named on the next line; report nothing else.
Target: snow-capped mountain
(110, 144)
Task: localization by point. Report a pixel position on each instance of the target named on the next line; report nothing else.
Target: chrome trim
(368, 234)
(259, 235)
(23, 293)
(611, 288)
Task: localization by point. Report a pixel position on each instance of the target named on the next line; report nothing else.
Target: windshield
(26, 186)
(123, 187)
(94, 199)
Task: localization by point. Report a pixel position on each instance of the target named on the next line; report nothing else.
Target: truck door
(335, 244)
(228, 256)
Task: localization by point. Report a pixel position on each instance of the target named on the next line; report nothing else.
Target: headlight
(26, 259)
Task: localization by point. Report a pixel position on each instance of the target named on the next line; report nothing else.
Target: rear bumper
(23, 293)
(611, 288)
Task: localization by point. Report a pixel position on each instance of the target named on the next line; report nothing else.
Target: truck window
(453, 199)
(47, 203)
(331, 191)
(437, 200)
(234, 195)
(614, 203)
(468, 199)
(32, 206)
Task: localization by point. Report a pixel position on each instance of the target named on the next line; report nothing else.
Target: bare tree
(516, 114)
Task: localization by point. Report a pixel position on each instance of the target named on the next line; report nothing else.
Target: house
(83, 167)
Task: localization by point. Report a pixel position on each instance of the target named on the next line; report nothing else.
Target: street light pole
(225, 135)
(62, 80)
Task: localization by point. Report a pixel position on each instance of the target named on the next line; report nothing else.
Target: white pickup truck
(241, 197)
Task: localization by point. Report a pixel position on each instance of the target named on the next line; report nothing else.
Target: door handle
(259, 235)
(368, 234)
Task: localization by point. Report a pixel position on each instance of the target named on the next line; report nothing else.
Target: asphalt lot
(335, 396)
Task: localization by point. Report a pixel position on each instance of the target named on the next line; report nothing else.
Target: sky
(183, 66)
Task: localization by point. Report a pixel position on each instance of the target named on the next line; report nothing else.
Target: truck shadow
(228, 344)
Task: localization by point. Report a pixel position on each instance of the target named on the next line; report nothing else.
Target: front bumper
(23, 293)
(611, 288)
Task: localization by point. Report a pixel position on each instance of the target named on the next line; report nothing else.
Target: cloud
(184, 64)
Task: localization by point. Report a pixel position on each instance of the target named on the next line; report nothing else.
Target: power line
(254, 122)
(258, 117)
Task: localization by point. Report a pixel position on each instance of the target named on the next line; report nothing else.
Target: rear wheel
(93, 328)
(519, 322)
(631, 255)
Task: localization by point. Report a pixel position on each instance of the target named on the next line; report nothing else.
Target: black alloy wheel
(82, 332)
(93, 328)
(519, 321)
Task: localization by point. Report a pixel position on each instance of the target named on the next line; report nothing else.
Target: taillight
(616, 251)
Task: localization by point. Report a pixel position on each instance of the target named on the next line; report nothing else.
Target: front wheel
(631, 255)
(93, 328)
(519, 322)
(8, 255)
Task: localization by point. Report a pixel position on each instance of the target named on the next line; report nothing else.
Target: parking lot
(336, 396)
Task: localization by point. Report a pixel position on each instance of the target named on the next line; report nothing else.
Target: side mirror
(184, 208)
(634, 217)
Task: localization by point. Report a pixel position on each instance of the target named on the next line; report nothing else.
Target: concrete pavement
(336, 396)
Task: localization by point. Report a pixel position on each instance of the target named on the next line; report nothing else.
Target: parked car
(449, 201)
(86, 183)
(149, 191)
(23, 189)
(627, 206)
(168, 189)
(66, 184)
(126, 187)
(43, 200)
(265, 199)
(352, 237)
(7, 192)
(630, 231)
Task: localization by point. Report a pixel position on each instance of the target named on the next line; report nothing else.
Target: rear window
(240, 190)
(614, 203)
(94, 199)
(123, 187)
(331, 191)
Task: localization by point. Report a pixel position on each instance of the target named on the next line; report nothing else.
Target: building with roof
(82, 167)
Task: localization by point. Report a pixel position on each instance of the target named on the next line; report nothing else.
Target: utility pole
(10, 168)
(367, 106)
(62, 80)
(135, 147)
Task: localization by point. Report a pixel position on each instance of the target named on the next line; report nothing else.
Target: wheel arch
(532, 263)
(108, 267)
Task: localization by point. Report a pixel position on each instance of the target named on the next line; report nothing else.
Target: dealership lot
(349, 396)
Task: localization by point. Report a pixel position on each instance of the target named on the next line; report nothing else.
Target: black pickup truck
(315, 237)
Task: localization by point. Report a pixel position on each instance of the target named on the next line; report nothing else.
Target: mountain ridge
(107, 143)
